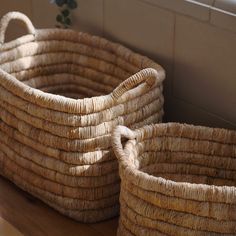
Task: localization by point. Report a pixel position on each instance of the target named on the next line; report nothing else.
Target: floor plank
(6, 229)
(32, 217)
(106, 228)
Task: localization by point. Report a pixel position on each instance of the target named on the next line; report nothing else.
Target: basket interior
(71, 69)
(187, 160)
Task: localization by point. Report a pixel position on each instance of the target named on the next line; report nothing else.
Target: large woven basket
(61, 94)
(177, 179)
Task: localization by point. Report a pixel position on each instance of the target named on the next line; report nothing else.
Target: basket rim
(162, 180)
(148, 182)
(150, 69)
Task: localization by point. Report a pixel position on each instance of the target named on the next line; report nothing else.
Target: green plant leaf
(65, 12)
(72, 4)
(59, 18)
(68, 21)
(60, 3)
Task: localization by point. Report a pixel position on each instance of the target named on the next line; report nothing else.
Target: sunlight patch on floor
(6, 229)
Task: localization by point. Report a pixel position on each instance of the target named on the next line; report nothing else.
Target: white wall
(194, 41)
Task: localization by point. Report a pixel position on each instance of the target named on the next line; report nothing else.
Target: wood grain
(6, 229)
(32, 217)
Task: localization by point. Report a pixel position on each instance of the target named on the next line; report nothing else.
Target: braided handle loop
(14, 16)
(118, 133)
(149, 76)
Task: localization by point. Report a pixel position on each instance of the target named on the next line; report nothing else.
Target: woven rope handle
(14, 16)
(148, 75)
(118, 133)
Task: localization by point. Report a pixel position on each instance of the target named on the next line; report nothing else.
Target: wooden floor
(19, 212)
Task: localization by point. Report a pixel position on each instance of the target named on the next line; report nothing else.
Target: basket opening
(194, 163)
(69, 82)
(182, 172)
(182, 153)
(72, 70)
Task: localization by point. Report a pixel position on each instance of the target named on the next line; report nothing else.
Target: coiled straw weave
(61, 94)
(177, 179)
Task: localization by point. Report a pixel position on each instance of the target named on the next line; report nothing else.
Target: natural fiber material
(61, 94)
(177, 179)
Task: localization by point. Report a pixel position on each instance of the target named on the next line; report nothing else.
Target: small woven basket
(177, 179)
(61, 94)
